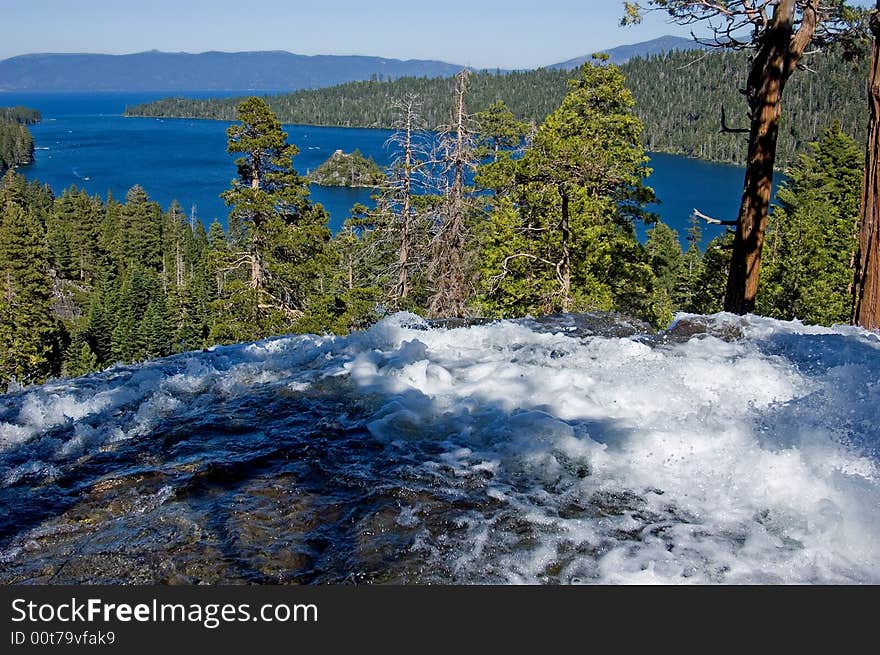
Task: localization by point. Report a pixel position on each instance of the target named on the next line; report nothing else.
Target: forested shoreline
(16, 142)
(679, 97)
(547, 226)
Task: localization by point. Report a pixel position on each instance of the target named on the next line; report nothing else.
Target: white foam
(751, 461)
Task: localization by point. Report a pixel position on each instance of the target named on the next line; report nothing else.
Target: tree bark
(402, 290)
(256, 267)
(448, 266)
(866, 286)
(565, 264)
(779, 53)
(256, 239)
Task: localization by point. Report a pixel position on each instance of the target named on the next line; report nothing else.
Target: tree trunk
(866, 286)
(402, 291)
(565, 264)
(256, 268)
(255, 249)
(448, 266)
(178, 262)
(778, 56)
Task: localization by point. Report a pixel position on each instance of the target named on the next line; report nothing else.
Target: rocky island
(348, 169)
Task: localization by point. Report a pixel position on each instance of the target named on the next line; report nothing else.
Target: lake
(84, 140)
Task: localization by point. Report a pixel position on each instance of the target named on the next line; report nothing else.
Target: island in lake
(349, 170)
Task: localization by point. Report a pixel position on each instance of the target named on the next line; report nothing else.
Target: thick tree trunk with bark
(779, 53)
(866, 287)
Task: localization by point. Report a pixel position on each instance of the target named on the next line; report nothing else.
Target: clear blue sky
(480, 33)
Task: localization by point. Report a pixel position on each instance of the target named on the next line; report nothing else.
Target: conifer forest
(483, 214)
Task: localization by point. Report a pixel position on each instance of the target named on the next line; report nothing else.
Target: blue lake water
(84, 140)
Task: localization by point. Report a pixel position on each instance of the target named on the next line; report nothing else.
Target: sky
(478, 33)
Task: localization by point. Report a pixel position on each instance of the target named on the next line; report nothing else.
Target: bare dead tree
(408, 165)
(866, 286)
(457, 157)
(779, 33)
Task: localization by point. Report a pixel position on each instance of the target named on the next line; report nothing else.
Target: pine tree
(141, 230)
(110, 239)
(84, 247)
(281, 238)
(501, 138)
(564, 239)
(691, 270)
(780, 38)
(79, 358)
(396, 224)
(30, 336)
(812, 234)
(668, 264)
(59, 224)
(154, 330)
(100, 322)
(449, 267)
(707, 294)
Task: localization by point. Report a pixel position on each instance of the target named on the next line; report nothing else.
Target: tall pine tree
(564, 238)
(30, 335)
(282, 252)
(812, 236)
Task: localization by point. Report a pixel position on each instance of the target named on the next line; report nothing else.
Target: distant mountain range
(258, 71)
(207, 71)
(622, 54)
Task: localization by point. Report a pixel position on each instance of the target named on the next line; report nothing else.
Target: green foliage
(812, 234)
(710, 277)
(670, 269)
(79, 358)
(140, 230)
(16, 145)
(500, 133)
(348, 170)
(501, 139)
(73, 233)
(281, 252)
(30, 336)
(529, 94)
(128, 281)
(564, 238)
(678, 97)
(16, 142)
(20, 115)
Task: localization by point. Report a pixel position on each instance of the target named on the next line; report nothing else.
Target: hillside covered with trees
(16, 142)
(679, 97)
(548, 226)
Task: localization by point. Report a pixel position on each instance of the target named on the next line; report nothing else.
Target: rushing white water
(751, 458)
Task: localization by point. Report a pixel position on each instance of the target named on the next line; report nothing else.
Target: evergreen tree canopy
(564, 239)
(277, 234)
(29, 333)
(812, 234)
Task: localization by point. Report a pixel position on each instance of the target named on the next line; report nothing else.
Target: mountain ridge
(623, 53)
(212, 70)
(258, 70)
